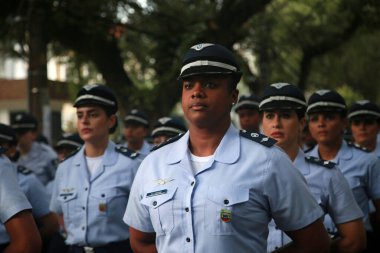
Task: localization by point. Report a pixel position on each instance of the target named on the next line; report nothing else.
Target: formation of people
(286, 178)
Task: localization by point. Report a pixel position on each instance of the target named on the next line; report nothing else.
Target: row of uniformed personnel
(215, 189)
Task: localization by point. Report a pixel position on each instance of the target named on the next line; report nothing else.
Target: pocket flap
(65, 195)
(228, 195)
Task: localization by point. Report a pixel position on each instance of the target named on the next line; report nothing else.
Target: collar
(301, 164)
(109, 157)
(228, 150)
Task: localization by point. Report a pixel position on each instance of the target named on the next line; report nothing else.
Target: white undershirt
(93, 163)
(198, 162)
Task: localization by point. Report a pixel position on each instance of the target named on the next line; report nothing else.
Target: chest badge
(102, 207)
(163, 181)
(226, 215)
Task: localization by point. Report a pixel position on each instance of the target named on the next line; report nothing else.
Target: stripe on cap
(208, 63)
(26, 125)
(97, 98)
(166, 129)
(282, 98)
(136, 118)
(72, 143)
(247, 102)
(6, 137)
(365, 112)
(325, 104)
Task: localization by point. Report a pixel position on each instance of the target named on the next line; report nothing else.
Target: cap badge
(279, 85)
(18, 117)
(134, 111)
(88, 87)
(362, 102)
(322, 92)
(199, 47)
(164, 120)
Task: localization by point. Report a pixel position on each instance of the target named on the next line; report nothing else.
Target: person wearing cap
(15, 213)
(166, 128)
(215, 188)
(67, 144)
(33, 189)
(247, 109)
(92, 185)
(283, 107)
(364, 118)
(34, 155)
(327, 121)
(136, 129)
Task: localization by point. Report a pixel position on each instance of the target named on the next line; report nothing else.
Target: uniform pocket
(160, 201)
(222, 206)
(108, 201)
(68, 200)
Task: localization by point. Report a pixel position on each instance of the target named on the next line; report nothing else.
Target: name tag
(156, 193)
(66, 194)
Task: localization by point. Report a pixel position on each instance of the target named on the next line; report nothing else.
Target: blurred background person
(15, 213)
(67, 144)
(167, 127)
(247, 109)
(136, 129)
(364, 118)
(37, 156)
(34, 190)
(327, 114)
(283, 109)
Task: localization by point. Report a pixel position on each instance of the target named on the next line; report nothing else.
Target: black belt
(114, 247)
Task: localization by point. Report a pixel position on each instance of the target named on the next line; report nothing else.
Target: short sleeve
(291, 203)
(12, 199)
(136, 214)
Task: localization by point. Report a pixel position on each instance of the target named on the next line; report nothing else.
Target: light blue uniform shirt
(36, 194)
(93, 206)
(330, 189)
(12, 199)
(226, 207)
(41, 160)
(362, 171)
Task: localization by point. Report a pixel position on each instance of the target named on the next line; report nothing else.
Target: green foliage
(136, 48)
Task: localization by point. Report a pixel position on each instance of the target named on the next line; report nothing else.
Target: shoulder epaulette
(71, 154)
(168, 141)
(357, 146)
(127, 152)
(2, 150)
(21, 169)
(315, 160)
(259, 138)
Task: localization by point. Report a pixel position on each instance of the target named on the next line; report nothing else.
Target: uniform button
(83, 228)
(65, 197)
(226, 201)
(188, 239)
(187, 209)
(192, 183)
(276, 247)
(276, 227)
(84, 208)
(154, 203)
(86, 189)
(103, 195)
